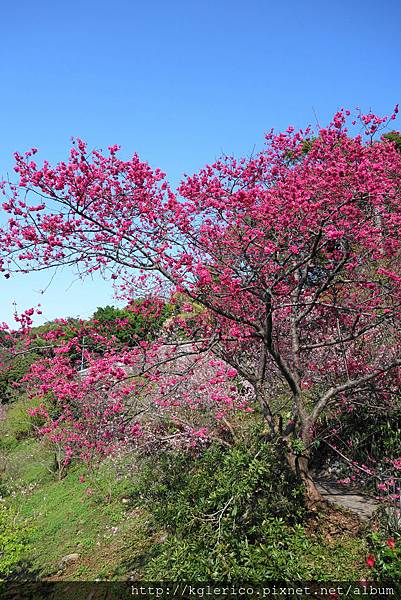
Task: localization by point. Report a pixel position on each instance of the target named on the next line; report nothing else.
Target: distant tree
(395, 137)
(12, 370)
(141, 319)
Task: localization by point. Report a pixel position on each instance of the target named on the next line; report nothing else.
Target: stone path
(348, 498)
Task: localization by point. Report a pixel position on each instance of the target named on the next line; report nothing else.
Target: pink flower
(200, 433)
(370, 561)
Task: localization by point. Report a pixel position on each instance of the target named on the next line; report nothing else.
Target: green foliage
(235, 514)
(395, 137)
(19, 423)
(386, 554)
(252, 480)
(297, 446)
(125, 326)
(13, 541)
(66, 330)
(12, 371)
(141, 321)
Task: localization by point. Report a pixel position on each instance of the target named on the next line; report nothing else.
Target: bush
(142, 319)
(236, 514)
(228, 513)
(385, 557)
(13, 542)
(12, 372)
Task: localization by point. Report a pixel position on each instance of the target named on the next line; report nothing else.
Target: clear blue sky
(180, 82)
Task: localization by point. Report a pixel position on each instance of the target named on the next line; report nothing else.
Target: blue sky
(180, 83)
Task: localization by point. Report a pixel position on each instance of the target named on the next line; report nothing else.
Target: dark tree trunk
(312, 495)
(299, 465)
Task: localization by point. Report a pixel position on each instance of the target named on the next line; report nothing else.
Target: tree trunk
(312, 495)
(299, 465)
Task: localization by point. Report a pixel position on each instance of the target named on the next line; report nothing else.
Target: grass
(72, 517)
(94, 518)
(19, 424)
(103, 534)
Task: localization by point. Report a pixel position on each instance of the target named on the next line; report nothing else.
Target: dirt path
(348, 498)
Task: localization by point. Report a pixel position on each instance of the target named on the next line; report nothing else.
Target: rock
(69, 559)
(125, 500)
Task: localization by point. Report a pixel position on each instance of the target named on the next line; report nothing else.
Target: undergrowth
(237, 514)
(214, 513)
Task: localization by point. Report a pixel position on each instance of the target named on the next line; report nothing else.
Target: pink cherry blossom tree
(289, 259)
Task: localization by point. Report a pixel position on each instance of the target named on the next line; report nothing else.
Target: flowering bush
(385, 558)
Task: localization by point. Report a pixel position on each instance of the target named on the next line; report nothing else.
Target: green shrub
(139, 325)
(19, 424)
(227, 513)
(236, 514)
(12, 372)
(13, 542)
(385, 557)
